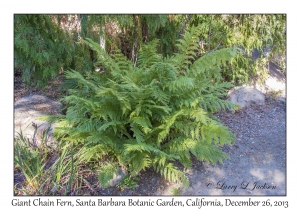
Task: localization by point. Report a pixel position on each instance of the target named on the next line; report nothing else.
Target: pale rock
(117, 177)
(245, 96)
(26, 110)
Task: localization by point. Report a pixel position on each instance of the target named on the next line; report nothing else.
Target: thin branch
(209, 31)
(218, 44)
(223, 36)
(184, 24)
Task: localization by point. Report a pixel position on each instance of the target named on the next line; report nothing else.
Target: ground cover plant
(47, 170)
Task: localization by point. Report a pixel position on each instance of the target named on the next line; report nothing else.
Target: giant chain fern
(152, 114)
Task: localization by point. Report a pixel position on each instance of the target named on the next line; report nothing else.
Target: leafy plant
(66, 165)
(176, 191)
(41, 47)
(43, 174)
(46, 45)
(273, 95)
(236, 108)
(152, 114)
(106, 173)
(248, 32)
(128, 182)
(31, 161)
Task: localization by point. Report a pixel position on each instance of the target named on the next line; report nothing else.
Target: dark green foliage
(152, 114)
(250, 32)
(41, 47)
(48, 44)
(247, 32)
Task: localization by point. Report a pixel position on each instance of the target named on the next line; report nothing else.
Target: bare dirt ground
(257, 164)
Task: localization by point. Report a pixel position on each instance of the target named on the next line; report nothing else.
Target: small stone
(245, 96)
(117, 177)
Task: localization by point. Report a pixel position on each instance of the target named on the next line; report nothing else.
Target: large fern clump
(151, 114)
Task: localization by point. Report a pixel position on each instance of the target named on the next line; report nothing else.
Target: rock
(245, 96)
(117, 177)
(27, 109)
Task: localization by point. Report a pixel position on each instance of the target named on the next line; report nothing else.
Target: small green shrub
(176, 191)
(152, 114)
(128, 182)
(273, 95)
(236, 108)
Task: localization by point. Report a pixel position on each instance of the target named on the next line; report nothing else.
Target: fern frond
(217, 132)
(143, 147)
(113, 124)
(103, 58)
(188, 47)
(51, 118)
(212, 60)
(121, 60)
(137, 133)
(207, 152)
(169, 172)
(75, 80)
(138, 162)
(106, 173)
(181, 83)
(167, 125)
(148, 54)
(95, 152)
